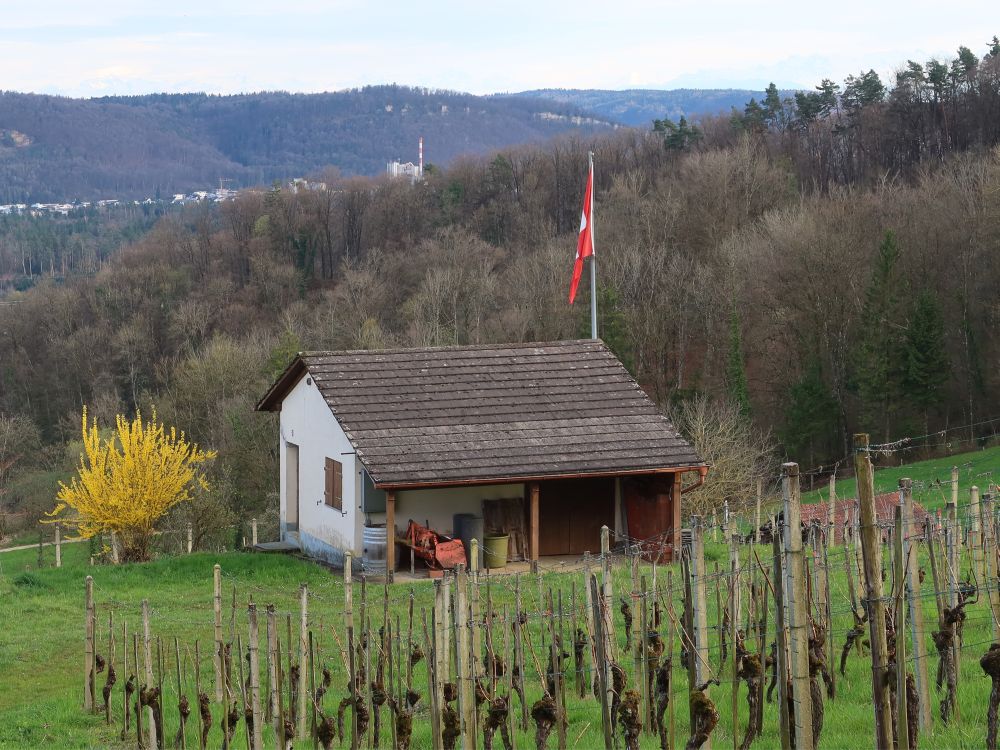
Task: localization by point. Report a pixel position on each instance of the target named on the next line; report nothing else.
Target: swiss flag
(585, 243)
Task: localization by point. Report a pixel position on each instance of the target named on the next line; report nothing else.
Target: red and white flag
(585, 243)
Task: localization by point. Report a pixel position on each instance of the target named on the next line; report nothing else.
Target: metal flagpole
(593, 256)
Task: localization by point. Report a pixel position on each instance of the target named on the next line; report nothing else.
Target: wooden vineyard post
(303, 655)
(781, 642)
(756, 515)
(608, 599)
(902, 726)
(602, 663)
(699, 603)
(909, 531)
(831, 514)
(518, 644)
(190, 538)
(465, 672)
(253, 532)
(930, 534)
(797, 606)
(733, 623)
(217, 608)
(148, 654)
(828, 615)
(440, 653)
(975, 535)
(557, 676)
(953, 541)
(647, 699)
(990, 564)
(258, 737)
(88, 645)
(671, 633)
(273, 660)
(719, 619)
(58, 545)
(871, 551)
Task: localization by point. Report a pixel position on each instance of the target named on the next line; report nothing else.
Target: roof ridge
(455, 347)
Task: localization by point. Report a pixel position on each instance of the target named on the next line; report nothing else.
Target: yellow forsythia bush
(127, 483)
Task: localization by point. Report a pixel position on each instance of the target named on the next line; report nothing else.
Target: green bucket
(495, 551)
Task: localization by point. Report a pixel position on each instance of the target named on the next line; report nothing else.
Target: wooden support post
(871, 551)
(217, 608)
(953, 543)
(798, 608)
(88, 645)
(603, 661)
(648, 700)
(930, 534)
(440, 654)
(699, 604)
(303, 655)
(258, 736)
(147, 651)
(975, 535)
(390, 535)
(733, 623)
(902, 725)
(533, 491)
(990, 563)
(720, 633)
(58, 545)
(831, 665)
(466, 672)
(555, 660)
(909, 531)
(831, 513)
(518, 643)
(253, 532)
(715, 527)
(608, 598)
(273, 671)
(756, 515)
(781, 641)
(671, 634)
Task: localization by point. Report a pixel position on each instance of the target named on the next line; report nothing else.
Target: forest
(824, 263)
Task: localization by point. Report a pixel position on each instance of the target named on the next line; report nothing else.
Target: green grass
(41, 646)
(931, 478)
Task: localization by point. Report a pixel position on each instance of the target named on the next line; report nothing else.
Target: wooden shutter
(333, 494)
(338, 485)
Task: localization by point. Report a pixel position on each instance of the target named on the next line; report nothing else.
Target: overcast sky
(97, 47)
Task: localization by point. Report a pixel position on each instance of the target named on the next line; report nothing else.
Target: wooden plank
(533, 491)
(390, 535)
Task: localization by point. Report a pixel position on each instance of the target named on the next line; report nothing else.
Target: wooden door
(571, 513)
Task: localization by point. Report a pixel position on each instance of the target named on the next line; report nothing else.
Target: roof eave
(435, 484)
(271, 401)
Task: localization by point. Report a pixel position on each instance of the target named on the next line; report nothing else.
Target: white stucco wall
(307, 421)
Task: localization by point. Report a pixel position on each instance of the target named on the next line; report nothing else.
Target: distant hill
(57, 148)
(639, 107)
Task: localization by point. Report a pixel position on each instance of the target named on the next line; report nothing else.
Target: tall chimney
(420, 151)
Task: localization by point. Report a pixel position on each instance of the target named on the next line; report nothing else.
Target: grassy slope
(974, 469)
(41, 651)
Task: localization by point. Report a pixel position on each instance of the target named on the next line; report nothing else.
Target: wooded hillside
(826, 269)
(59, 149)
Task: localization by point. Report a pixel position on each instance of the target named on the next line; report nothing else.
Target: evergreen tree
(926, 359)
(736, 376)
(811, 418)
(877, 365)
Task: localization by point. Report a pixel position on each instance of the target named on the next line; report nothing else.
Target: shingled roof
(478, 414)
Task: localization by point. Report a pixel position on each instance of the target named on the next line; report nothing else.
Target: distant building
(408, 169)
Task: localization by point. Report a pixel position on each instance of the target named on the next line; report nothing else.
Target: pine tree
(877, 364)
(811, 417)
(926, 359)
(736, 376)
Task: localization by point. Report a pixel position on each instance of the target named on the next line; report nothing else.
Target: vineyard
(750, 641)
